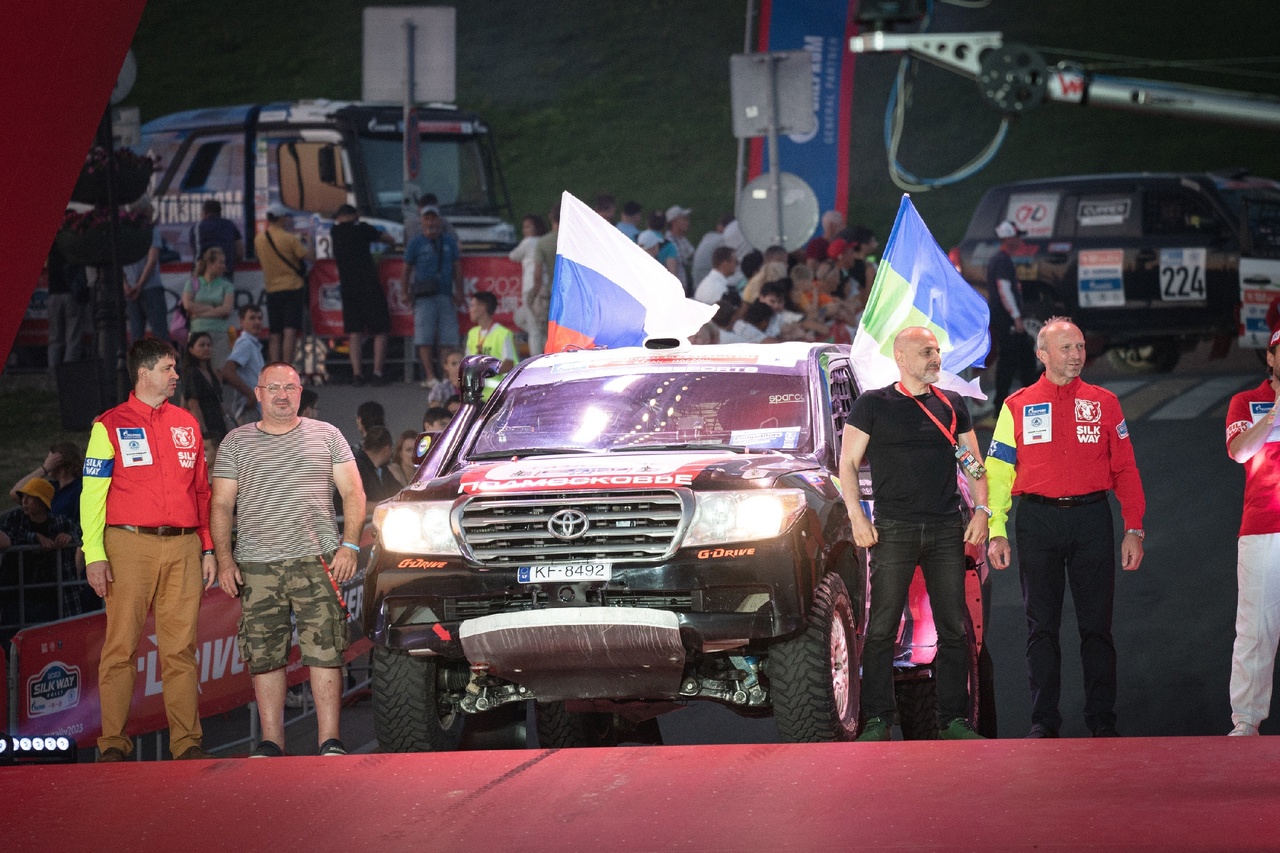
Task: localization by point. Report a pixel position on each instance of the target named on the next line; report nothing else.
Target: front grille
(460, 609)
(511, 530)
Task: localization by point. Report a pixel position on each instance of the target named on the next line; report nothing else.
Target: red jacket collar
(142, 408)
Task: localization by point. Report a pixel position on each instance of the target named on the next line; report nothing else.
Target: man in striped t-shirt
(278, 475)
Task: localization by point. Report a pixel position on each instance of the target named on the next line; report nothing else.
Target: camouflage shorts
(271, 591)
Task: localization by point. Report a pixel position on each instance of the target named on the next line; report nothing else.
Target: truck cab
(312, 156)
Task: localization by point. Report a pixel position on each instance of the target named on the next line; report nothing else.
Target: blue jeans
(938, 548)
(435, 321)
(149, 309)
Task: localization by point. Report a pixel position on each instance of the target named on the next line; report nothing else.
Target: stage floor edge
(1165, 794)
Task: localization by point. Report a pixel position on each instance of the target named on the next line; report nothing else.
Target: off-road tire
(803, 672)
(1159, 356)
(408, 714)
(559, 728)
(917, 708)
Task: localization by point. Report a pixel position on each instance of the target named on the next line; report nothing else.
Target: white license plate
(565, 572)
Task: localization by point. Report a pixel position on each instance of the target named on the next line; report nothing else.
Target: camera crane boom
(1014, 78)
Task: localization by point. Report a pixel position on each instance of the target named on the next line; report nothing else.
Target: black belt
(156, 531)
(1070, 500)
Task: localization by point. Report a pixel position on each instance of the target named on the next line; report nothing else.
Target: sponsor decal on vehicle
(421, 564)
(721, 553)
(668, 470)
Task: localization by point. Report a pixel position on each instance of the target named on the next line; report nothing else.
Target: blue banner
(821, 158)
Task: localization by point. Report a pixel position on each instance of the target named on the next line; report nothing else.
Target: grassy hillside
(632, 97)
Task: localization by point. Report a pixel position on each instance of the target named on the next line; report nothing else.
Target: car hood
(615, 471)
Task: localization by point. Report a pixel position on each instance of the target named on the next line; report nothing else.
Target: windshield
(664, 409)
(1261, 211)
(451, 167)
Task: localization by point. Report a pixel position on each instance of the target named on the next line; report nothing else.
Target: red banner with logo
(56, 670)
(496, 273)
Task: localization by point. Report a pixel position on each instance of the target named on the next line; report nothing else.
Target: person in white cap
(678, 234)
(1015, 353)
(1253, 442)
(283, 257)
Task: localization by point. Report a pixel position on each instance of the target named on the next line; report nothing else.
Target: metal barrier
(41, 593)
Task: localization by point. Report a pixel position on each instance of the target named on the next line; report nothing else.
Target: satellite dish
(124, 82)
(758, 212)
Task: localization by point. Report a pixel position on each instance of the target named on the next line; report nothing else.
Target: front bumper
(720, 597)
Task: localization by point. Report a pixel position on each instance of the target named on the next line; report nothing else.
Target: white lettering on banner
(187, 458)
(1088, 434)
(148, 665)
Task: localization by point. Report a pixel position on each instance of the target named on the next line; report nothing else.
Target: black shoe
(267, 749)
(1041, 730)
(357, 381)
(332, 746)
(378, 380)
(1106, 730)
(111, 754)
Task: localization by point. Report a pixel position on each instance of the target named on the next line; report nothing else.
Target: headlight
(421, 527)
(722, 517)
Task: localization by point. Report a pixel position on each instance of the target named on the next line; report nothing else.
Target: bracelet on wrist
(352, 546)
(985, 509)
(207, 552)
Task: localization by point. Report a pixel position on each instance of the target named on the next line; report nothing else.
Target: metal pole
(410, 133)
(740, 172)
(109, 298)
(775, 173)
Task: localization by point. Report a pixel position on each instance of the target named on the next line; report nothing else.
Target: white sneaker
(1243, 729)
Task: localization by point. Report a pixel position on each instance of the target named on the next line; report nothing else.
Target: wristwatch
(1137, 531)
(985, 509)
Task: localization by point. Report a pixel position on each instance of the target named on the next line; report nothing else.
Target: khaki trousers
(164, 572)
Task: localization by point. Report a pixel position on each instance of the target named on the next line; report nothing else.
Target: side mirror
(475, 370)
(426, 440)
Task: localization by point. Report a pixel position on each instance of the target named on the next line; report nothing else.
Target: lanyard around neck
(949, 433)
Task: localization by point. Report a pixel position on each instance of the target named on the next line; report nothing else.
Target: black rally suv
(1147, 264)
(617, 532)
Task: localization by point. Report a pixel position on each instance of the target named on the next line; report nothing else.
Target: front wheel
(815, 677)
(559, 728)
(1158, 356)
(410, 712)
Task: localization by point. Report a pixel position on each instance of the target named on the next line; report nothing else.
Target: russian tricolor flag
(609, 292)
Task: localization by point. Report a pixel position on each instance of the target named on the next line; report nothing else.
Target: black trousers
(1057, 545)
(938, 549)
(1016, 358)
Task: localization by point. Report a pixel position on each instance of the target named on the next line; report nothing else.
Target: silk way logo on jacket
(55, 688)
(184, 438)
(1088, 412)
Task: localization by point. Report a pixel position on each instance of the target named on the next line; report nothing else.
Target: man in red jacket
(1253, 441)
(145, 516)
(1062, 444)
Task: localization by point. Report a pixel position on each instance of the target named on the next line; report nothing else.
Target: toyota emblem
(568, 524)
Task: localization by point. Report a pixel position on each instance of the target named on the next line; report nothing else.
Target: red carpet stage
(1166, 794)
